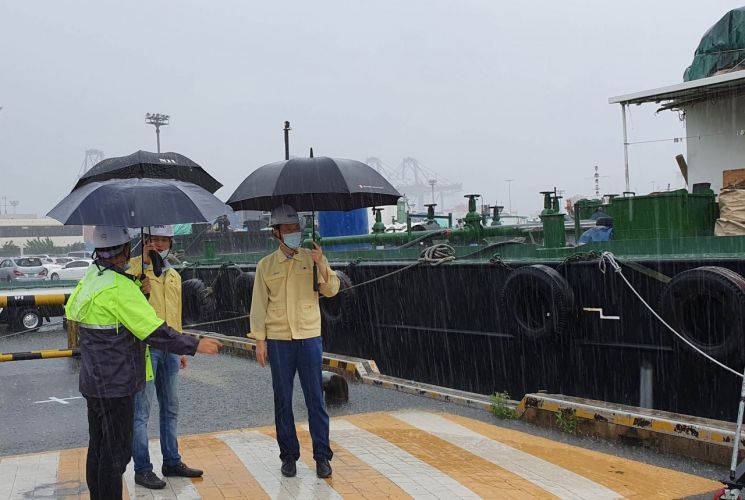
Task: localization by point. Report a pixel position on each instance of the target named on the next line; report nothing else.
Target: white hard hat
(166, 230)
(109, 236)
(284, 214)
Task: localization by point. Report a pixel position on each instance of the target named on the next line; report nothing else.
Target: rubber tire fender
(706, 305)
(337, 310)
(197, 300)
(537, 302)
(224, 287)
(244, 289)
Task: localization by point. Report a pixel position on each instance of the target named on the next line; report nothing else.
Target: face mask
(292, 240)
(164, 254)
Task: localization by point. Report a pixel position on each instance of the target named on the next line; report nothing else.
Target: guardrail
(44, 354)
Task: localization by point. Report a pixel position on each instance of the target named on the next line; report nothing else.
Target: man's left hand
(182, 362)
(317, 253)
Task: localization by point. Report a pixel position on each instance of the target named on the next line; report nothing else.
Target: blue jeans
(304, 357)
(165, 385)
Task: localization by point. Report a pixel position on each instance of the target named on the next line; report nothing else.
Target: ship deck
(387, 444)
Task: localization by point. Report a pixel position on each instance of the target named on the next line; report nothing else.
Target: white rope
(611, 259)
(433, 255)
(218, 321)
(437, 254)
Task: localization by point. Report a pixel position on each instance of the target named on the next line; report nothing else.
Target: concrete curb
(693, 437)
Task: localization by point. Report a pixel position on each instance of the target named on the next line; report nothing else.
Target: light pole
(509, 195)
(157, 120)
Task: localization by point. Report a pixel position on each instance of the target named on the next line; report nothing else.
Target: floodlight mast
(158, 120)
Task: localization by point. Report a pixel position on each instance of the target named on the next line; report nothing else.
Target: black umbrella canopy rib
(319, 183)
(145, 164)
(137, 203)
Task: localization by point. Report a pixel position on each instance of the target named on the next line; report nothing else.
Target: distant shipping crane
(420, 184)
(92, 156)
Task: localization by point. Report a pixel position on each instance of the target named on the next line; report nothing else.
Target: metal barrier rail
(47, 299)
(45, 354)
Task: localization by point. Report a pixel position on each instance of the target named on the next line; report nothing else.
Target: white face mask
(292, 240)
(164, 254)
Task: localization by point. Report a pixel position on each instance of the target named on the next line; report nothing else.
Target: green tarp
(181, 229)
(722, 47)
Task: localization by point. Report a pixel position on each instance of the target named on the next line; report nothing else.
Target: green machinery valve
(431, 213)
(496, 210)
(554, 233)
(378, 227)
(209, 249)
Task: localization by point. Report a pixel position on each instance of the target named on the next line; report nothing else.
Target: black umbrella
(312, 184)
(138, 203)
(150, 165)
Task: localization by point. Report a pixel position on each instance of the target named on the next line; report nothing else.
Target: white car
(57, 263)
(74, 270)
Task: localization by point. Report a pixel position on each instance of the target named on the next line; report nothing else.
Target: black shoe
(149, 480)
(181, 470)
(288, 468)
(323, 468)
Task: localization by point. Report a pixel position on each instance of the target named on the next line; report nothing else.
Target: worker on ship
(603, 231)
(165, 297)
(286, 323)
(115, 323)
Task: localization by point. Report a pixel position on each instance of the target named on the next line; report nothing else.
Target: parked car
(57, 263)
(79, 255)
(74, 270)
(22, 269)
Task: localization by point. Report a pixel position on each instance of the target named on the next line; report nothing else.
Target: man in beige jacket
(286, 323)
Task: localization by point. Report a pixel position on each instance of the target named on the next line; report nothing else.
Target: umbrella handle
(315, 267)
(142, 259)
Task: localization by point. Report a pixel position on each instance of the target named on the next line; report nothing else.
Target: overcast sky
(479, 91)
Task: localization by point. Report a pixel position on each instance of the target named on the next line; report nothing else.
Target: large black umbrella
(138, 203)
(151, 165)
(314, 184)
(319, 183)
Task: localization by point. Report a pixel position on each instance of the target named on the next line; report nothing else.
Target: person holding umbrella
(165, 297)
(286, 323)
(115, 322)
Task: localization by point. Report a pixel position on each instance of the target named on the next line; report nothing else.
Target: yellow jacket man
(165, 297)
(286, 323)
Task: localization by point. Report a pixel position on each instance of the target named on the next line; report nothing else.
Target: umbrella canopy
(138, 203)
(151, 165)
(319, 183)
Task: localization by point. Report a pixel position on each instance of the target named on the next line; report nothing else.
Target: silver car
(22, 269)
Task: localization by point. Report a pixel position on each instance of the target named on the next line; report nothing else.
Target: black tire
(538, 303)
(54, 277)
(224, 287)
(198, 302)
(706, 305)
(27, 320)
(244, 288)
(337, 310)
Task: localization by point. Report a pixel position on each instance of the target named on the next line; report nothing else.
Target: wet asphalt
(216, 393)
